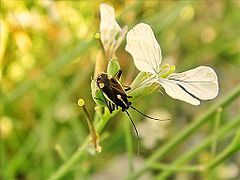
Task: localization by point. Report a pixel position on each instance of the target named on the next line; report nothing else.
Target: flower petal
(175, 91)
(144, 48)
(109, 27)
(201, 82)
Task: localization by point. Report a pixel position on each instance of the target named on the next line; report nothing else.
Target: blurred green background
(48, 54)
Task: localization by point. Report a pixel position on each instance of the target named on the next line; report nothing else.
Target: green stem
(187, 132)
(129, 145)
(60, 152)
(64, 168)
(230, 150)
(167, 167)
(70, 163)
(192, 153)
(216, 128)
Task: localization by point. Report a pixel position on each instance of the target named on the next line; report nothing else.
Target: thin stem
(93, 133)
(216, 128)
(169, 167)
(60, 152)
(129, 146)
(77, 156)
(70, 163)
(230, 150)
(187, 132)
(223, 132)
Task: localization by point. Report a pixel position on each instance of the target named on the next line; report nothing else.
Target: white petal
(175, 91)
(201, 82)
(108, 25)
(108, 18)
(144, 48)
(120, 37)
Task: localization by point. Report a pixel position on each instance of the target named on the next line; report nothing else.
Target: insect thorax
(113, 91)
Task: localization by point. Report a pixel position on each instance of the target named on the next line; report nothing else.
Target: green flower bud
(96, 94)
(113, 67)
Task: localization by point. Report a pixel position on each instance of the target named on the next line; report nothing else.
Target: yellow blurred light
(24, 18)
(82, 30)
(4, 37)
(187, 13)
(23, 41)
(129, 17)
(16, 71)
(1, 74)
(208, 35)
(27, 61)
(5, 127)
(170, 36)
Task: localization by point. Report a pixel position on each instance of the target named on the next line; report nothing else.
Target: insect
(200, 83)
(114, 95)
(115, 92)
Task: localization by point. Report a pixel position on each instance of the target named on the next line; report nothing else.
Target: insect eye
(98, 79)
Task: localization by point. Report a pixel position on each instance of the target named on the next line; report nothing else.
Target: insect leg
(108, 105)
(104, 103)
(113, 106)
(118, 74)
(126, 88)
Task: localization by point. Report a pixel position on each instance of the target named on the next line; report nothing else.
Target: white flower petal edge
(108, 25)
(200, 83)
(144, 48)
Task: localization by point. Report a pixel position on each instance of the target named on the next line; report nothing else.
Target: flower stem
(222, 133)
(187, 132)
(77, 156)
(129, 145)
(167, 167)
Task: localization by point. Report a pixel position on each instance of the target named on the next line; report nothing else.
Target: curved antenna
(135, 128)
(156, 119)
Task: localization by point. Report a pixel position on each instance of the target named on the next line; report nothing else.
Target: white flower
(117, 168)
(200, 83)
(110, 32)
(159, 131)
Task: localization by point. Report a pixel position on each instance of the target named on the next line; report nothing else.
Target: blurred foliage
(48, 53)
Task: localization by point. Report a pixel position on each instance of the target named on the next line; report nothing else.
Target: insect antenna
(156, 119)
(135, 128)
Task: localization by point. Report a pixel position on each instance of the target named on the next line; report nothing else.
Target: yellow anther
(172, 68)
(166, 65)
(81, 102)
(97, 35)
